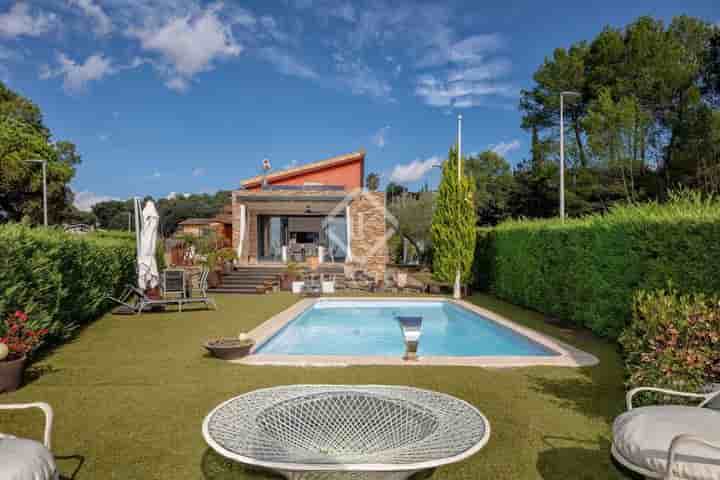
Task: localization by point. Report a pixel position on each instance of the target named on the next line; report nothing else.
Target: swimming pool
(361, 328)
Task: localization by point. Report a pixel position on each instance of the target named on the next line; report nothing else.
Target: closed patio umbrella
(148, 276)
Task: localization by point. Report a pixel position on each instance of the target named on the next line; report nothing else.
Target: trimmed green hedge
(588, 270)
(60, 279)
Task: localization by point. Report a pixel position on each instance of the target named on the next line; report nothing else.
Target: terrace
(117, 420)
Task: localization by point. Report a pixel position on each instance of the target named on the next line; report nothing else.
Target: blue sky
(182, 96)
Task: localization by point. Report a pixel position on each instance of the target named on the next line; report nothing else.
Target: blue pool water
(342, 327)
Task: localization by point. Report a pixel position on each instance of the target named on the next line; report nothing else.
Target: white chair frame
(677, 441)
(47, 411)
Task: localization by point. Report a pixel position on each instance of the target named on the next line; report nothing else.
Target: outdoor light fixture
(411, 328)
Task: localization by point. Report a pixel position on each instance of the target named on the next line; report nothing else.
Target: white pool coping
(568, 356)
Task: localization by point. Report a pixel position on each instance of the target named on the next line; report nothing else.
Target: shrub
(673, 341)
(60, 279)
(588, 270)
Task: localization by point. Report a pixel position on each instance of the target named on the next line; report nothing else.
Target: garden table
(345, 431)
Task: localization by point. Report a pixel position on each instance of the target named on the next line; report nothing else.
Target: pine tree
(453, 224)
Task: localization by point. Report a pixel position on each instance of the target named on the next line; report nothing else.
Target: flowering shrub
(20, 338)
(673, 341)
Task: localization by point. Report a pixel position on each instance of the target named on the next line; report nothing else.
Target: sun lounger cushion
(642, 436)
(22, 459)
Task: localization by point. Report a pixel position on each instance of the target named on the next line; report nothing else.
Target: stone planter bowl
(229, 348)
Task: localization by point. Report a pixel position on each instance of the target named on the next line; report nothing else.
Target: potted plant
(19, 340)
(230, 348)
(292, 273)
(211, 263)
(227, 256)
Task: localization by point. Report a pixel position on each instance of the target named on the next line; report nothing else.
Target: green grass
(130, 394)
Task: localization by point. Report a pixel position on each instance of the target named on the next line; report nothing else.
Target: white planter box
(297, 287)
(328, 287)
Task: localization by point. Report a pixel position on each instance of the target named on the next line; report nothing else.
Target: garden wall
(60, 279)
(588, 270)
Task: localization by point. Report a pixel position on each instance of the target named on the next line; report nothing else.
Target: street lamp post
(562, 150)
(456, 287)
(44, 173)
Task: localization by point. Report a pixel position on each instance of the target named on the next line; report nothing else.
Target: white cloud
(198, 172)
(75, 75)
(503, 148)
(469, 50)
(360, 78)
(189, 44)
(174, 195)
(103, 24)
(482, 72)
(438, 92)
(287, 64)
(104, 137)
(379, 139)
(413, 171)
(85, 199)
(19, 20)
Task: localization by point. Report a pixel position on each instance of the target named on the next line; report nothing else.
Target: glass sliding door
(334, 238)
(272, 235)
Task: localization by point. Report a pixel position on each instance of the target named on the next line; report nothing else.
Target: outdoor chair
(143, 302)
(174, 283)
(327, 284)
(670, 441)
(311, 285)
(24, 459)
(203, 297)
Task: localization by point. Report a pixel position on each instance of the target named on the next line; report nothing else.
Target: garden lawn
(130, 394)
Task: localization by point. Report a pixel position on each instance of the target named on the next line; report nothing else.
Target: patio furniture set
(176, 290)
(394, 432)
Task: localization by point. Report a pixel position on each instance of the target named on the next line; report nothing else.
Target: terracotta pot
(11, 374)
(228, 348)
(286, 280)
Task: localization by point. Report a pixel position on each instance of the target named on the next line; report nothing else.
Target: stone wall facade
(368, 243)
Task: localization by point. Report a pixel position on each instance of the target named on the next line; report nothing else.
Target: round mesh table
(343, 431)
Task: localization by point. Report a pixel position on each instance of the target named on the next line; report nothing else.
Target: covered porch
(275, 227)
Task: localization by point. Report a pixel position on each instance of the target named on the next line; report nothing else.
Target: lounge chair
(24, 459)
(143, 302)
(203, 297)
(670, 441)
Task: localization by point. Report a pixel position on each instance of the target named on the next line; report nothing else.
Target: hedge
(60, 279)
(588, 270)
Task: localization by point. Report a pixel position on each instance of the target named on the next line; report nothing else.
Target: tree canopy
(649, 94)
(23, 137)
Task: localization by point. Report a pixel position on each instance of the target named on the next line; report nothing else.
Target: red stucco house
(316, 211)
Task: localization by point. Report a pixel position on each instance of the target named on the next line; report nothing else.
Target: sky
(165, 97)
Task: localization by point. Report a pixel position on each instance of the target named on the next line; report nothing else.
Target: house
(318, 211)
(221, 224)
